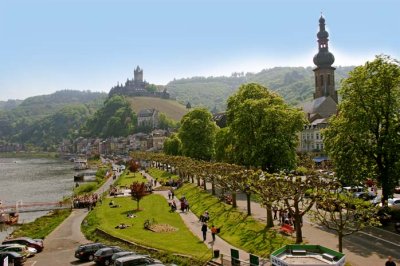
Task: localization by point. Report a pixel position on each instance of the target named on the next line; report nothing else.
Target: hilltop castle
(137, 87)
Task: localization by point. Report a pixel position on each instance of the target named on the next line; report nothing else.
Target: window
(329, 79)
(322, 80)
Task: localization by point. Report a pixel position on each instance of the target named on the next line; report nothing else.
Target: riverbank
(28, 154)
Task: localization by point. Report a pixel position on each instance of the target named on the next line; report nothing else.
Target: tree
(263, 128)
(138, 191)
(197, 134)
(363, 140)
(344, 214)
(116, 118)
(133, 166)
(223, 146)
(172, 145)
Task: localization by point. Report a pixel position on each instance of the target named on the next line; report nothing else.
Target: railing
(227, 260)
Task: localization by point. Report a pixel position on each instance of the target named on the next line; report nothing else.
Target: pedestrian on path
(213, 232)
(390, 262)
(169, 194)
(204, 230)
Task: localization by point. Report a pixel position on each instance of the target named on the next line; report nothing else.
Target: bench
(328, 257)
(287, 229)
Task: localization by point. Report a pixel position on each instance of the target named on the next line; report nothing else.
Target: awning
(320, 159)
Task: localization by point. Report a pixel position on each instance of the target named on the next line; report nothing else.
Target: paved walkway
(60, 245)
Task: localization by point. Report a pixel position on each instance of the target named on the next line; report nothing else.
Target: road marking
(384, 240)
(361, 232)
(34, 263)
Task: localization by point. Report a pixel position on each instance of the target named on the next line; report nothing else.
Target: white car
(394, 203)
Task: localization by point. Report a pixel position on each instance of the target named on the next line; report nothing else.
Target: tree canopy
(263, 128)
(197, 134)
(363, 140)
(116, 118)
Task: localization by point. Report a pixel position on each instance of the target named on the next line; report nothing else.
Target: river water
(34, 180)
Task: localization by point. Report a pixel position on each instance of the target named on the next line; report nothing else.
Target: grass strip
(161, 175)
(237, 228)
(42, 226)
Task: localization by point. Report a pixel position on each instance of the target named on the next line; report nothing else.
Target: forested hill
(45, 120)
(10, 104)
(295, 84)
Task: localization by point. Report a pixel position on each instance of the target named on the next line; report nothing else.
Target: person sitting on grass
(121, 226)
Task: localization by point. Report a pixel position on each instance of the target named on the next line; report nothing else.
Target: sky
(51, 45)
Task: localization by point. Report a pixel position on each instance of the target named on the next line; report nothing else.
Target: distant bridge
(21, 207)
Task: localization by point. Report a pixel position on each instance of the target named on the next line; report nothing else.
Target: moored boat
(9, 218)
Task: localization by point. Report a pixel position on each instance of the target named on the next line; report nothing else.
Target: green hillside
(295, 84)
(45, 120)
(171, 108)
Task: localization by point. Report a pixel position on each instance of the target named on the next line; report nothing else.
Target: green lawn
(127, 178)
(161, 175)
(42, 226)
(236, 227)
(155, 207)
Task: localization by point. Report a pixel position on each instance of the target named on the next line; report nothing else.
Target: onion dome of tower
(323, 57)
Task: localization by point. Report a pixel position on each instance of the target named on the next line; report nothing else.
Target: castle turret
(138, 75)
(324, 72)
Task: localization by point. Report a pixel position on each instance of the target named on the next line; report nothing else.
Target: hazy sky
(53, 45)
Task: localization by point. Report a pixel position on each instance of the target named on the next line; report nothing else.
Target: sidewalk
(194, 225)
(312, 233)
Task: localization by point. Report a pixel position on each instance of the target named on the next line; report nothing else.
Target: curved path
(60, 245)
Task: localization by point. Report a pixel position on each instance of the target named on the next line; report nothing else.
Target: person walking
(169, 194)
(213, 232)
(390, 262)
(275, 209)
(204, 230)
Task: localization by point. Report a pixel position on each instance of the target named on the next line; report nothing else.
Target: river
(34, 180)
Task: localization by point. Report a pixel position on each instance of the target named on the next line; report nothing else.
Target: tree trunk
(248, 204)
(299, 232)
(270, 220)
(340, 238)
(213, 186)
(204, 184)
(234, 203)
(198, 181)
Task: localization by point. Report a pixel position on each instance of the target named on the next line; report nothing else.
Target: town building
(325, 101)
(148, 118)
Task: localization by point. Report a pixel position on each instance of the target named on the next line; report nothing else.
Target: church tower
(324, 72)
(138, 75)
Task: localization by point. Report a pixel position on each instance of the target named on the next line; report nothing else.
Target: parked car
(14, 258)
(120, 255)
(365, 195)
(86, 251)
(136, 260)
(394, 203)
(20, 249)
(103, 255)
(27, 241)
(397, 190)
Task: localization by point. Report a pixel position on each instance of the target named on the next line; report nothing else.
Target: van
(136, 260)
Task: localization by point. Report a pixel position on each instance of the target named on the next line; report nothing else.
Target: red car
(29, 242)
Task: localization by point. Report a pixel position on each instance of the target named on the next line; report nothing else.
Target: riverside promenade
(60, 245)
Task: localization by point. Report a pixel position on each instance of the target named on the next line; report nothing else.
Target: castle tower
(324, 72)
(138, 75)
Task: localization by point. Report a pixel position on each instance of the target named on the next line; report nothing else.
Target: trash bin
(216, 253)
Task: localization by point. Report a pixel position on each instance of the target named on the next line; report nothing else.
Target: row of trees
(363, 140)
(297, 192)
(261, 132)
